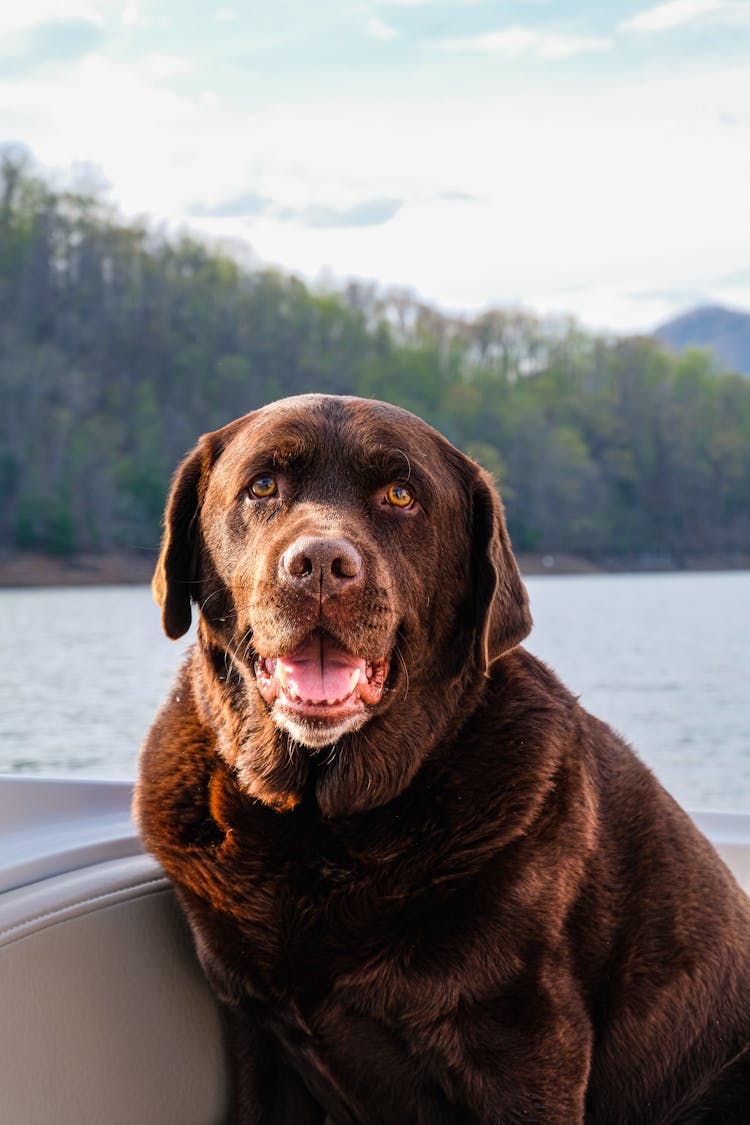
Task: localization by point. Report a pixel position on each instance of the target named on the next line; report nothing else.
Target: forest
(120, 344)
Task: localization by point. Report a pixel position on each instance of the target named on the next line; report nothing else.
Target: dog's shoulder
(176, 763)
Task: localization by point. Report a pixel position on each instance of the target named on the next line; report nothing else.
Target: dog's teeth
(354, 680)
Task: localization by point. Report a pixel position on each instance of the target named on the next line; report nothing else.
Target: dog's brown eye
(398, 496)
(264, 487)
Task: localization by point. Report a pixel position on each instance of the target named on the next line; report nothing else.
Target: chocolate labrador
(427, 886)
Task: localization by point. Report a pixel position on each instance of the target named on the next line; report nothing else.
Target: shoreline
(27, 569)
(30, 569)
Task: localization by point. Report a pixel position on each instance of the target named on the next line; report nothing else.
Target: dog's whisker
(212, 594)
(408, 463)
(231, 651)
(397, 653)
(332, 755)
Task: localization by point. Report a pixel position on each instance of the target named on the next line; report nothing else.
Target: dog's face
(352, 570)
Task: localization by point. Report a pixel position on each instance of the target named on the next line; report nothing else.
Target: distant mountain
(726, 332)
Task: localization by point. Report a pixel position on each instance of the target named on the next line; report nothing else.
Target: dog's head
(354, 580)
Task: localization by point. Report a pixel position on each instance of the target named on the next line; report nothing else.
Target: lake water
(664, 658)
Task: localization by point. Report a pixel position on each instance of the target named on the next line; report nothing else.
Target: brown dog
(428, 886)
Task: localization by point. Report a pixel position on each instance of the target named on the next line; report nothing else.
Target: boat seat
(105, 1017)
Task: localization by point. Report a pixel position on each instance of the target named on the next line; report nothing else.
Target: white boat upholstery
(105, 1018)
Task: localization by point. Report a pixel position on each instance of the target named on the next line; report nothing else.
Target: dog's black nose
(321, 564)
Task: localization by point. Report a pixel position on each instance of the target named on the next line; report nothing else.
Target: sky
(570, 158)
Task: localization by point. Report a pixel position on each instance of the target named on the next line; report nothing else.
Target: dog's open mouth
(320, 680)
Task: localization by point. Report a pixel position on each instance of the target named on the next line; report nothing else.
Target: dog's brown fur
(478, 906)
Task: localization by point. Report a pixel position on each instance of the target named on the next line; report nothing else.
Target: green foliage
(118, 348)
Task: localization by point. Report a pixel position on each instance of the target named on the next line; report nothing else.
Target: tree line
(120, 345)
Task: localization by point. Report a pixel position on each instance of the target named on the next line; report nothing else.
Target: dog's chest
(340, 956)
(305, 911)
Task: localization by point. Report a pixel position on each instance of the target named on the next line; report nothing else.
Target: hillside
(725, 332)
(119, 346)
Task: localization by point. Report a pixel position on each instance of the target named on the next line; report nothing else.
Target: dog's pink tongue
(319, 670)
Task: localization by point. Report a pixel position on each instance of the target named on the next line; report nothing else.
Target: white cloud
(516, 42)
(678, 13)
(22, 17)
(111, 115)
(587, 204)
(432, 3)
(378, 29)
(584, 202)
(159, 67)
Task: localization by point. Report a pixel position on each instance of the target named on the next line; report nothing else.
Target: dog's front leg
(266, 1090)
(536, 1060)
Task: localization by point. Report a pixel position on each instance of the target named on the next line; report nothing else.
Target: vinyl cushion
(105, 1015)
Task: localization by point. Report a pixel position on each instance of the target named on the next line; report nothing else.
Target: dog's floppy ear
(177, 569)
(501, 603)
